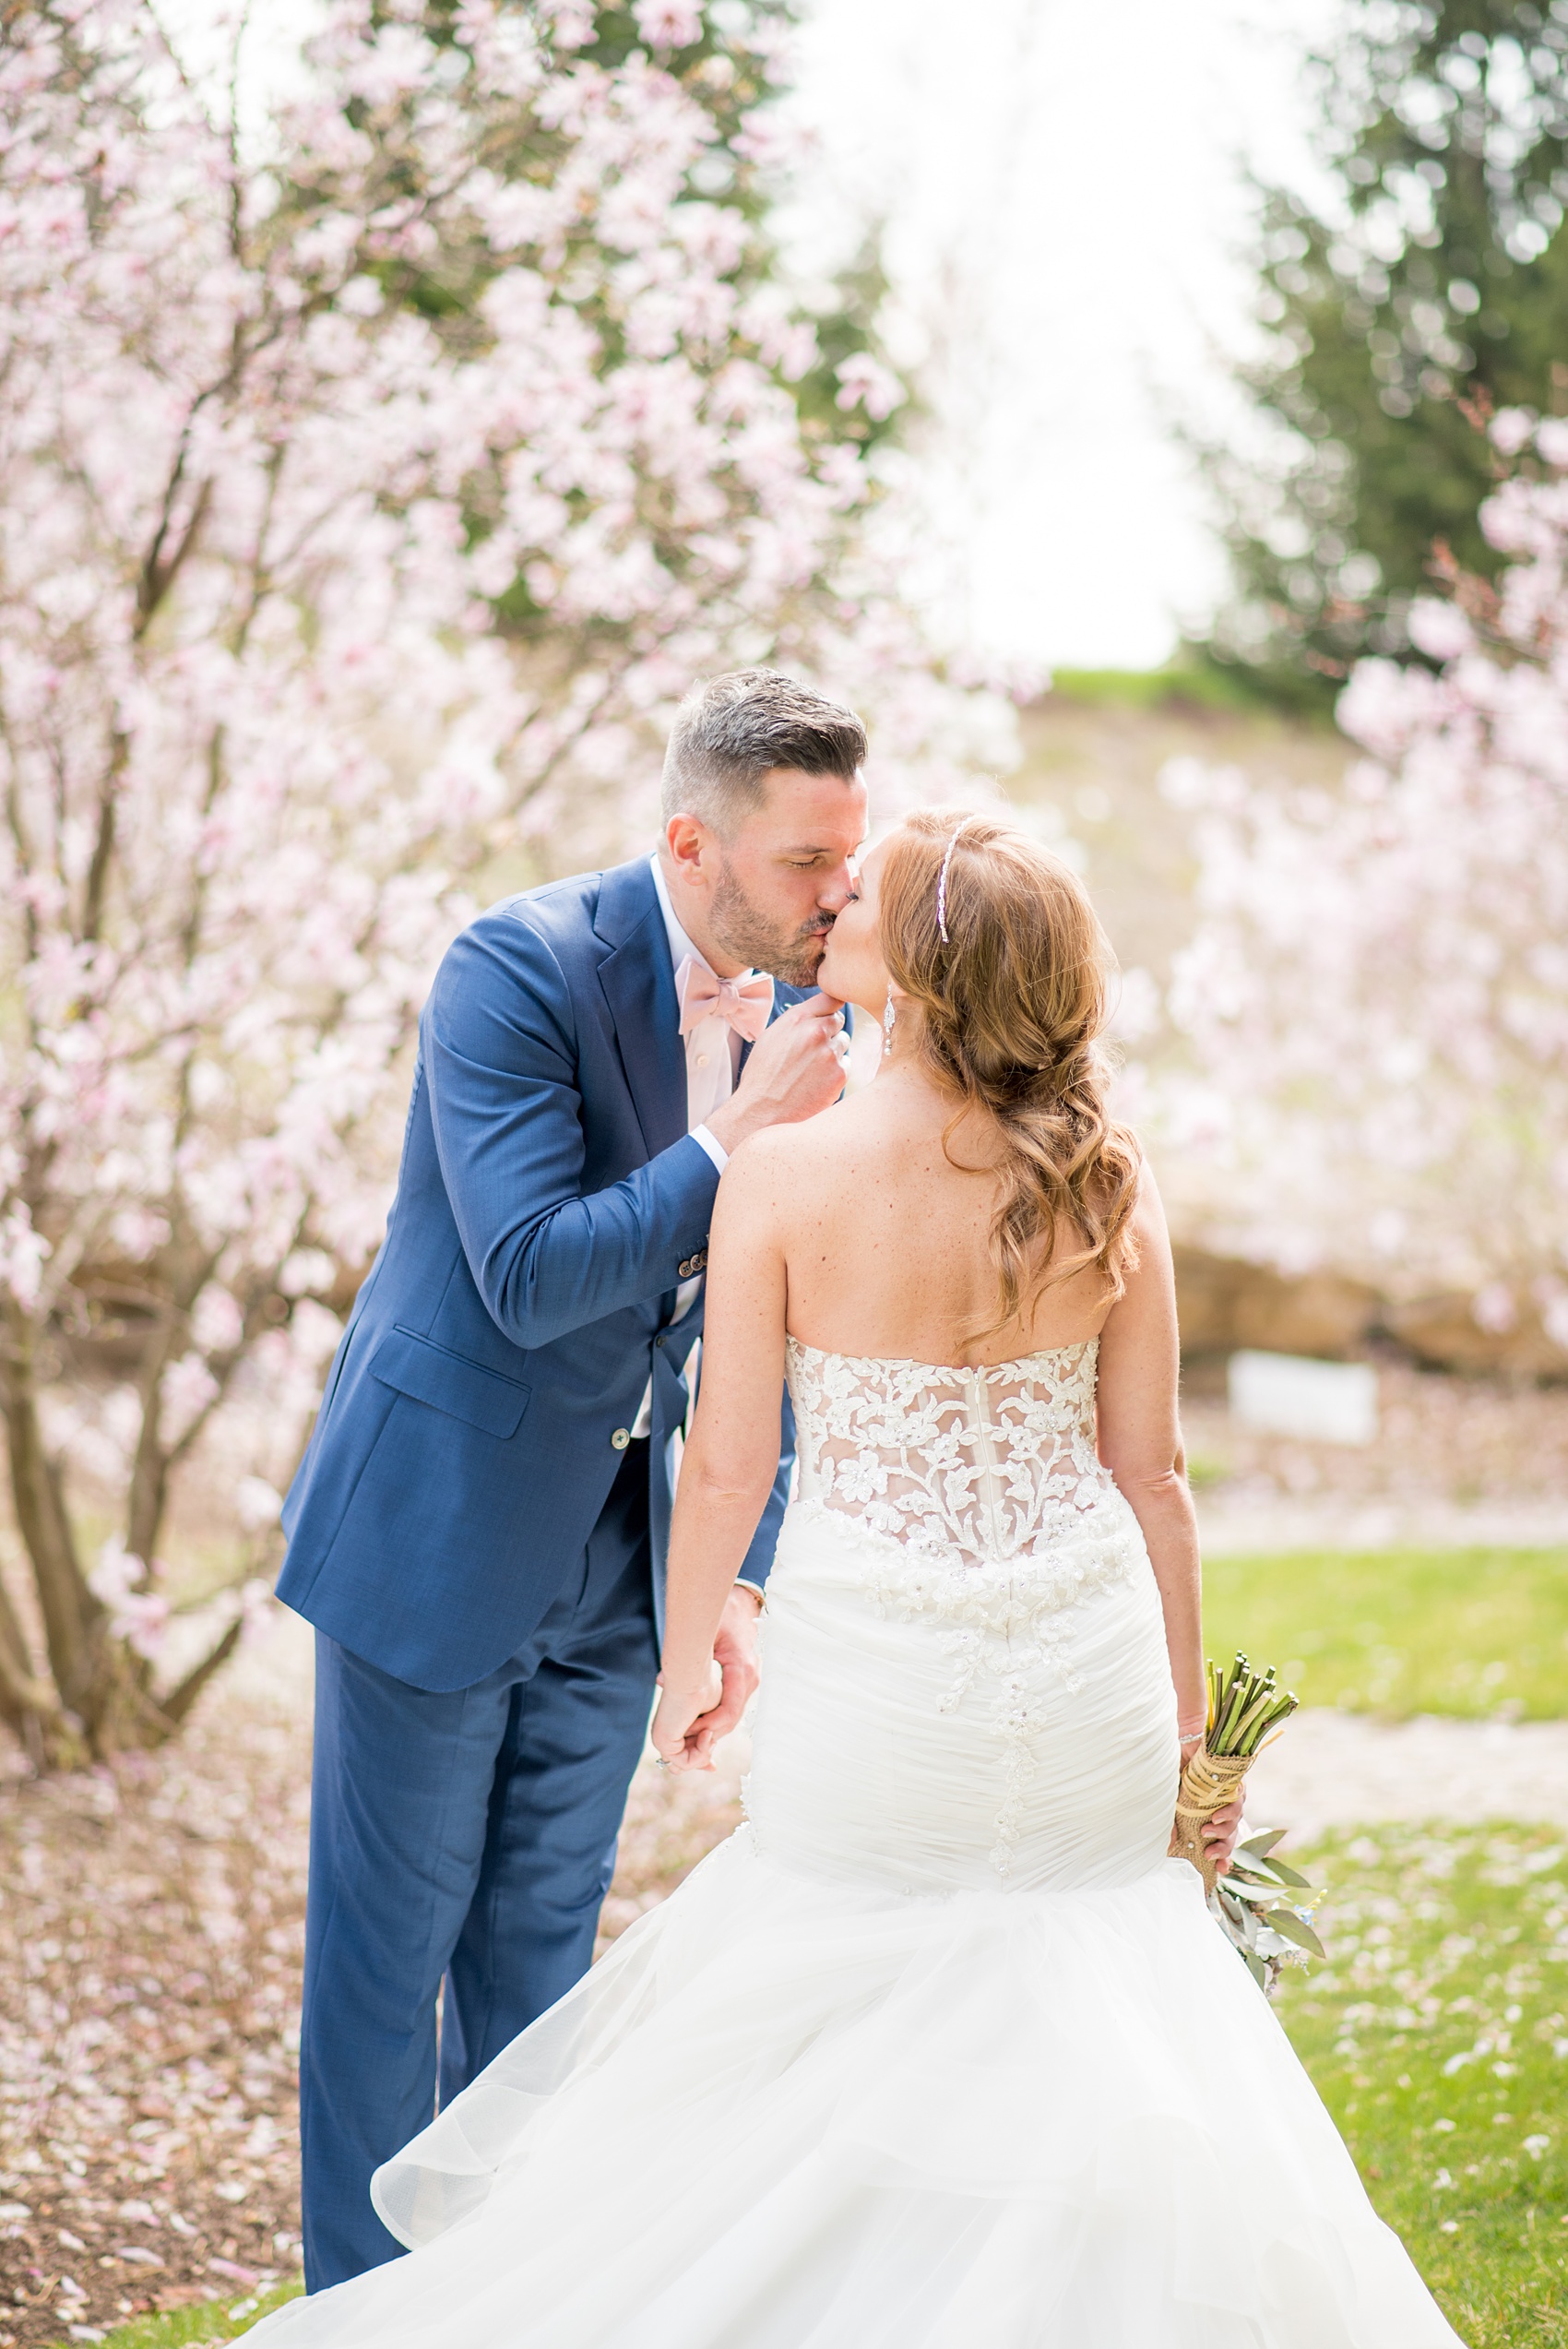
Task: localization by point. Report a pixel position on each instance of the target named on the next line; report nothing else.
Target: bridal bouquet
(1244, 1709)
(1255, 1904)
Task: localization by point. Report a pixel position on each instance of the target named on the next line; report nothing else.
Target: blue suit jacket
(549, 1201)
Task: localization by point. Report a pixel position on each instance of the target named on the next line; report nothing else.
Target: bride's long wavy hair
(1013, 1005)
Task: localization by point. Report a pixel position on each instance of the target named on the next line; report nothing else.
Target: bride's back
(886, 1241)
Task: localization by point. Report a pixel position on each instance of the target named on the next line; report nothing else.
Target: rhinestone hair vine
(942, 889)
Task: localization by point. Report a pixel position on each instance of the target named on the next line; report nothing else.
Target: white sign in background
(1287, 1394)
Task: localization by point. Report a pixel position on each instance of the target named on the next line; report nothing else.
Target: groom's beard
(745, 931)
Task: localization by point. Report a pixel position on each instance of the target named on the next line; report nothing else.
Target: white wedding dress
(940, 2051)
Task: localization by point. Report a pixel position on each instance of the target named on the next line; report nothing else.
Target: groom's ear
(692, 847)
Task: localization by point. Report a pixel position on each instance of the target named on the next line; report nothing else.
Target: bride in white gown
(940, 2050)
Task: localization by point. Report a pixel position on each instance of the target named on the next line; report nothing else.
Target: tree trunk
(99, 1700)
(178, 1702)
(73, 1618)
(149, 1472)
(28, 1705)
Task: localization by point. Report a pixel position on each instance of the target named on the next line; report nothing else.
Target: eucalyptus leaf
(1258, 1871)
(1291, 1875)
(1257, 1896)
(1286, 1923)
(1244, 1920)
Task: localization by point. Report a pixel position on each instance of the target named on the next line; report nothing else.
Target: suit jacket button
(685, 1269)
(621, 1438)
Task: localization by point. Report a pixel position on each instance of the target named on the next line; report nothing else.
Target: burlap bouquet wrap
(1208, 1782)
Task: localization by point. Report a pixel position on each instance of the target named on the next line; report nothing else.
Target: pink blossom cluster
(1375, 1003)
(324, 601)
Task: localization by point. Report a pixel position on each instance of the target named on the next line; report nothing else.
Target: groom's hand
(795, 1071)
(687, 1726)
(734, 1652)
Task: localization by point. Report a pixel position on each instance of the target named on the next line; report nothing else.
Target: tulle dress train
(940, 2051)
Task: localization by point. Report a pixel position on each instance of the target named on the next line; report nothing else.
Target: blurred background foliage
(1430, 291)
(735, 67)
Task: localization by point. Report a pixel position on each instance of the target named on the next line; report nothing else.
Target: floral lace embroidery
(977, 1464)
(994, 1512)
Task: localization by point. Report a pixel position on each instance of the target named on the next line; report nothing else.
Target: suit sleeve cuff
(714, 1149)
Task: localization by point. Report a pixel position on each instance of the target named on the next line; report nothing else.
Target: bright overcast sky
(1066, 216)
(1060, 185)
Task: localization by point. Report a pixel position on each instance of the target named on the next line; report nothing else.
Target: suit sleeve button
(685, 1269)
(621, 1438)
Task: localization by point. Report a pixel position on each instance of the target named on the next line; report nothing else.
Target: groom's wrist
(728, 1126)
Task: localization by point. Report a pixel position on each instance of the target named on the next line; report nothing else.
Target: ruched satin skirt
(940, 2051)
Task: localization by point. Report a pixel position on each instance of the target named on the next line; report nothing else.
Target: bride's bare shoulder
(797, 1163)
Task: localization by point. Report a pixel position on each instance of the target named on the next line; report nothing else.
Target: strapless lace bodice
(976, 1466)
(970, 1509)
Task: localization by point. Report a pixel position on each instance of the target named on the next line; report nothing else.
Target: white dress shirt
(713, 1060)
(713, 1049)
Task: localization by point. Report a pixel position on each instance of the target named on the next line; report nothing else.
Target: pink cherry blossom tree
(1375, 1004)
(362, 510)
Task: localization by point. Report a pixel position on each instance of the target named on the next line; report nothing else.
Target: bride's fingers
(672, 1733)
(1219, 1836)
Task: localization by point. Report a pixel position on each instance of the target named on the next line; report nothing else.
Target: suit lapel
(639, 988)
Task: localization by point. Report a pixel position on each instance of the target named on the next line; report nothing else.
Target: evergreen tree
(1431, 293)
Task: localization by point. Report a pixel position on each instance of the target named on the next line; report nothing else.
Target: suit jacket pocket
(449, 1382)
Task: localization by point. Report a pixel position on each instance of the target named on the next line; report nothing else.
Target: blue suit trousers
(461, 1843)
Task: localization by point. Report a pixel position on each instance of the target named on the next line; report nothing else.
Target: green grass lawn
(1401, 1632)
(202, 2321)
(1437, 2034)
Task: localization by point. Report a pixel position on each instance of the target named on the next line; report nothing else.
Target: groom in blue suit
(476, 1531)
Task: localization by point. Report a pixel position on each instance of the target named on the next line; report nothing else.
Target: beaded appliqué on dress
(992, 1510)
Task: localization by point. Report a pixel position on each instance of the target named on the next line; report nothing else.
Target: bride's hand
(682, 1733)
(1219, 1834)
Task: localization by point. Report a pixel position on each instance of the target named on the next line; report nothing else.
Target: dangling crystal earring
(888, 1016)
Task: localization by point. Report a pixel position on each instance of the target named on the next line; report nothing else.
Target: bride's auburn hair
(1014, 1005)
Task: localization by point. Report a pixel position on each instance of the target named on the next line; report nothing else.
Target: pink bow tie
(747, 1002)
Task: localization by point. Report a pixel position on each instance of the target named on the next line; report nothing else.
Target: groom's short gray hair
(731, 732)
